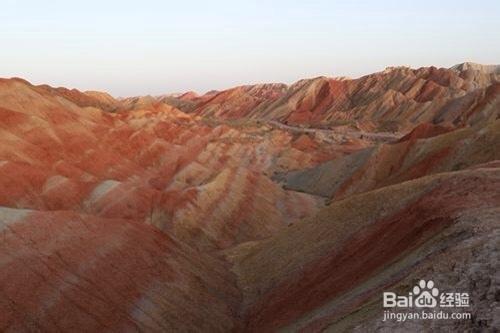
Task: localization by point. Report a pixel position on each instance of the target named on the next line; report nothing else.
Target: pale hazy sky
(140, 47)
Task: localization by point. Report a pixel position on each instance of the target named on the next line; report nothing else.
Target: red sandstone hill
(414, 156)
(259, 208)
(396, 99)
(240, 102)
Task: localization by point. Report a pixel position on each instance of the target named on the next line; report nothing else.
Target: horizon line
(254, 83)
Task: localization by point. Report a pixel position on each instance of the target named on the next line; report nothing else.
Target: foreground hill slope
(353, 249)
(62, 271)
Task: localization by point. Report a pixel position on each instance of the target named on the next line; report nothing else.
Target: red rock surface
(63, 271)
(239, 102)
(257, 208)
(415, 155)
(396, 99)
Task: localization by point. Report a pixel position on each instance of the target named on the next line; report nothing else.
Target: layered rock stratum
(259, 208)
